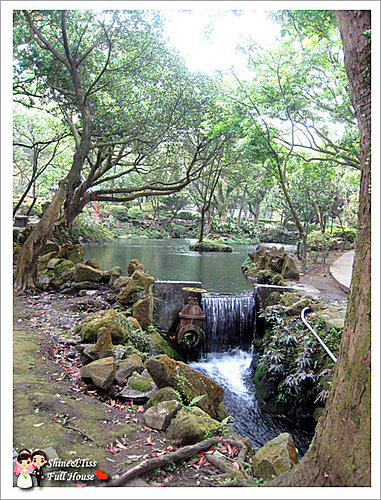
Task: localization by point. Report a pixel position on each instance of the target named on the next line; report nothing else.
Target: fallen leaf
(38, 425)
(149, 442)
(120, 445)
(236, 465)
(140, 409)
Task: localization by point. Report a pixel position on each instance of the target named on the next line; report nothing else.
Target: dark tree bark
(340, 452)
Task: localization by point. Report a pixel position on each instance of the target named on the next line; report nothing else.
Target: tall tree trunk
(202, 225)
(340, 452)
(26, 271)
(243, 201)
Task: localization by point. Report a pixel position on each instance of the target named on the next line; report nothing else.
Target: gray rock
(125, 367)
(159, 416)
(101, 372)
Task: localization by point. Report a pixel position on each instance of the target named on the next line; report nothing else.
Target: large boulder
(142, 311)
(101, 372)
(188, 382)
(133, 265)
(115, 322)
(87, 273)
(139, 287)
(103, 347)
(124, 368)
(164, 394)
(115, 273)
(159, 416)
(192, 425)
(289, 268)
(276, 457)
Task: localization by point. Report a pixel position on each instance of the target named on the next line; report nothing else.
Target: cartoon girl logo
(24, 468)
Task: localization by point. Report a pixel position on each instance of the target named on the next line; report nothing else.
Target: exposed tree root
(82, 433)
(241, 478)
(164, 460)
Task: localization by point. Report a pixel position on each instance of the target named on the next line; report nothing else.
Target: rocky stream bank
(94, 380)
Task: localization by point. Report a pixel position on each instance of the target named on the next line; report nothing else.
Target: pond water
(171, 259)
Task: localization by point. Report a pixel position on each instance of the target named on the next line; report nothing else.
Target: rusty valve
(190, 333)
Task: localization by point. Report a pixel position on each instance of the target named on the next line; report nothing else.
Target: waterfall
(229, 321)
(227, 358)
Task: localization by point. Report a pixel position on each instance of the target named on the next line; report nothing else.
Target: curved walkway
(341, 270)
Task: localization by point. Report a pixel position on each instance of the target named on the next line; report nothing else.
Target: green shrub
(89, 232)
(348, 233)
(294, 368)
(210, 246)
(188, 215)
(119, 212)
(135, 213)
(278, 235)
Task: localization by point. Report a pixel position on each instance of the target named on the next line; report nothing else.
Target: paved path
(341, 270)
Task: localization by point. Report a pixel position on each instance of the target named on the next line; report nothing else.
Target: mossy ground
(47, 391)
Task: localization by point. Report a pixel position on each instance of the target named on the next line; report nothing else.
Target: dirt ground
(317, 275)
(55, 410)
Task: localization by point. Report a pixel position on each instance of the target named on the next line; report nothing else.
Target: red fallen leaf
(230, 450)
(160, 484)
(112, 449)
(149, 442)
(149, 429)
(169, 448)
(140, 409)
(236, 465)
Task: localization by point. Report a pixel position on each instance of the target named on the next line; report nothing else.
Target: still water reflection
(170, 259)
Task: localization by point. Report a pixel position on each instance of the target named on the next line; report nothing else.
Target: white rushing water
(228, 369)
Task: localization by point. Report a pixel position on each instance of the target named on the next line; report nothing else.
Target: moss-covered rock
(162, 346)
(289, 269)
(210, 246)
(87, 273)
(142, 311)
(277, 456)
(188, 382)
(101, 372)
(103, 347)
(125, 367)
(164, 394)
(116, 272)
(159, 416)
(115, 322)
(133, 265)
(50, 247)
(138, 382)
(139, 287)
(270, 266)
(192, 425)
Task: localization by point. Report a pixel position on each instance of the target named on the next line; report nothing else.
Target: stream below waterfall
(227, 358)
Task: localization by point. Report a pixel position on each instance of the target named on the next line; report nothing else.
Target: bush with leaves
(293, 374)
(85, 231)
(135, 214)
